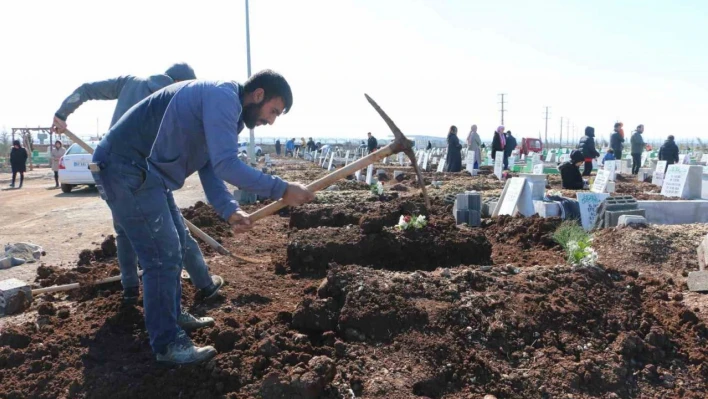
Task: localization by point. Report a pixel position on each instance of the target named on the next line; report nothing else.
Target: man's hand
(297, 194)
(58, 125)
(240, 222)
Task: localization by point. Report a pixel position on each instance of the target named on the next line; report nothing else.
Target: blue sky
(429, 64)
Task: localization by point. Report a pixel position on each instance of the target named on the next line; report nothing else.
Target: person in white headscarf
(474, 143)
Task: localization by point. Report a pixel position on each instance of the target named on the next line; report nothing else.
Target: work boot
(190, 323)
(213, 288)
(183, 351)
(12, 185)
(130, 295)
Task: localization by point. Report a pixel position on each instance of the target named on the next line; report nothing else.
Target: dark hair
(618, 124)
(671, 137)
(453, 127)
(17, 143)
(273, 84)
(55, 143)
(611, 151)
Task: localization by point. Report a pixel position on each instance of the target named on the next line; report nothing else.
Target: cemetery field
(346, 305)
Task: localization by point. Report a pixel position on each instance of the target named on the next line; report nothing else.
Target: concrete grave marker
(357, 175)
(588, 207)
(685, 159)
(511, 194)
(645, 156)
(346, 158)
(538, 169)
(600, 183)
(704, 158)
(611, 168)
(268, 162)
(441, 165)
(331, 159)
(683, 181)
(401, 158)
(425, 161)
(369, 174)
(470, 161)
(314, 158)
(499, 165)
(564, 158)
(552, 157)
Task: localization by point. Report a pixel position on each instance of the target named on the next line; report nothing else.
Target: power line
(502, 107)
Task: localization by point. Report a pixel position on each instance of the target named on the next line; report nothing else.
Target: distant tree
(4, 143)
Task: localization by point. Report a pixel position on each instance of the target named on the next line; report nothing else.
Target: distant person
(499, 142)
(57, 152)
(453, 162)
(669, 151)
(130, 90)
(18, 162)
(616, 141)
(587, 146)
(290, 147)
(637, 147)
(372, 143)
(570, 171)
(474, 143)
(311, 146)
(277, 147)
(303, 143)
(609, 156)
(509, 148)
(430, 146)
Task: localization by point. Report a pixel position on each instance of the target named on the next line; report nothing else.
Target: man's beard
(251, 112)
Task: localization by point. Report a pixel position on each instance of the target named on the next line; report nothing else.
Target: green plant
(576, 243)
(377, 189)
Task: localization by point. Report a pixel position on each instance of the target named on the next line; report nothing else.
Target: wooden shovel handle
(67, 287)
(327, 181)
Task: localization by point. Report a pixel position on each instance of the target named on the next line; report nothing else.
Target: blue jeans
(193, 261)
(145, 212)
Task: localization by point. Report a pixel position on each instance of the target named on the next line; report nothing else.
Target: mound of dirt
(524, 241)
(205, 217)
(108, 250)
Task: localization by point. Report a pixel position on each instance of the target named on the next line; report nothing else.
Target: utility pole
(567, 130)
(252, 135)
(502, 107)
(560, 139)
(546, 131)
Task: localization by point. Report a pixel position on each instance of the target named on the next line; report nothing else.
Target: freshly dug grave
(340, 215)
(524, 241)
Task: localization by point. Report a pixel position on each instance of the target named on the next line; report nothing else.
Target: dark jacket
(372, 144)
(18, 159)
(510, 145)
(587, 144)
(570, 174)
(496, 145)
(616, 141)
(311, 145)
(453, 162)
(669, 152)
(637, 143)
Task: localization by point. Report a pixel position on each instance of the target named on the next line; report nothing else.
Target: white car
(243, 149)
(73, 168)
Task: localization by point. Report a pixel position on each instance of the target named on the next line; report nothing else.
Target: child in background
(610, 156)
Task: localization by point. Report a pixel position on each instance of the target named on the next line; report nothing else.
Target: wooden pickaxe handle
(327, 181)
(68, 287)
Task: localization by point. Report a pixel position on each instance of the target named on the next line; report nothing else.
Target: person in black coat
(509, 148)
(18, 162)
(616, 140)
(587, 146)
(372, 143)
(570, 172)
(277, 147)
(311, 146)
(499, 141)
(430, 146)
(453, 162)
(669, 152)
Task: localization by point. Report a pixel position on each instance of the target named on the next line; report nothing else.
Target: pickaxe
(194, 229)
(399, 144)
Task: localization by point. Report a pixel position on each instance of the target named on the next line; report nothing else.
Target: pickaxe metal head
(402, 144)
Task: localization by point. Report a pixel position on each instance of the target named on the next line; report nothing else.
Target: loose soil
(360, 309)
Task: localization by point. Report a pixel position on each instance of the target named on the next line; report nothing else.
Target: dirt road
(63, 224)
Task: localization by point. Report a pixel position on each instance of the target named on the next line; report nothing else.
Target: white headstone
(357, 175)
(704, 158)
(510, 196)
(470, 161)
(346, 158)
(425, 161)
(314, 158)
(385, 161)
(401, 158)
(331, 159)
(600, 183)
(645, 156)
(551, 157)
(499, 164)
(657, 178)
(297, 152)
(441, 165)
(538, 169)
(268, 162)
(685, 159)
(683, 181)
(370, 174)
(611, 168)
(588, 207)
(564, 158)
(512, 161)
